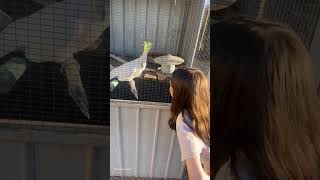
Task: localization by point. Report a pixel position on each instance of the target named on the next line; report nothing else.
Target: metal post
(315, 53)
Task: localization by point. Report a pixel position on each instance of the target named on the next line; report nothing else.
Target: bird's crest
(147, 45)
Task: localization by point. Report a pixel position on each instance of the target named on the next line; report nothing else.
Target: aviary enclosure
(53, 60)
(53, 89)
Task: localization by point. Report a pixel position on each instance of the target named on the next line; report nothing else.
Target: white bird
(54, 34)
(130, 70)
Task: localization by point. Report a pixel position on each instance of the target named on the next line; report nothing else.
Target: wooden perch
(153, 74)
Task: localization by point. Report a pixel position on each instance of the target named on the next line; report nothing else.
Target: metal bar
(155, 139)
(112, 43)
(183, 26)
(261, 8)
(146, 26)
(155, 43)
(169, 30)
(313, 23)
(169, 155)
(31, 160)
(196, 32)
(53, 124)
(123, 26)
(189, 39)
(88, 159)
(119, 140)
(315, 53)
(36, 164)
(141, 104)
(134, 24)
(301, 21)
(138, 141)
(108, 154)
(24, 163)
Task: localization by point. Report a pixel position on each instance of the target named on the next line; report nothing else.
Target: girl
(266, 110)
(190, 111)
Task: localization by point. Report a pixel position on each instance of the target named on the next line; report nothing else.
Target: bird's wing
(124, 72)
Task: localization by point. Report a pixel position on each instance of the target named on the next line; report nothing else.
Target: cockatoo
(54, 34)
(130, 70)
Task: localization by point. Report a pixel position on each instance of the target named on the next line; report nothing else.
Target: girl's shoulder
(181, 125)
(184, 119)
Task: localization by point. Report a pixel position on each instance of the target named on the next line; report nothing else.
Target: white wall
(133, 21)
(29, 152)
(141, 141)
(172, 28)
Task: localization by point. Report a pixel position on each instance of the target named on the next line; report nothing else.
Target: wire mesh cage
(202, 57)
(169, 29)
(301, 16)
(53, 60)
(224, 8)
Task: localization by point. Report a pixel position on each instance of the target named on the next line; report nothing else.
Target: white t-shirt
(190, 144)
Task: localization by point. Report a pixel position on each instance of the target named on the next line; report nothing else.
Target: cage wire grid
(161, 22)
(53, 60)
(301, 16)
(202, 56)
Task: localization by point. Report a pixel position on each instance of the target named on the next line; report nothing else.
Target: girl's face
(171, 89)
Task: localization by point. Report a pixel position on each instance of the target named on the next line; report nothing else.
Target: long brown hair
(265, 102)
(191, 94)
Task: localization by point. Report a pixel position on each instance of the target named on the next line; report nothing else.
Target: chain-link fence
(52, 60)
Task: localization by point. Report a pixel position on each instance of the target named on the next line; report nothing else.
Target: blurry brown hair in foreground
(265, 103)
